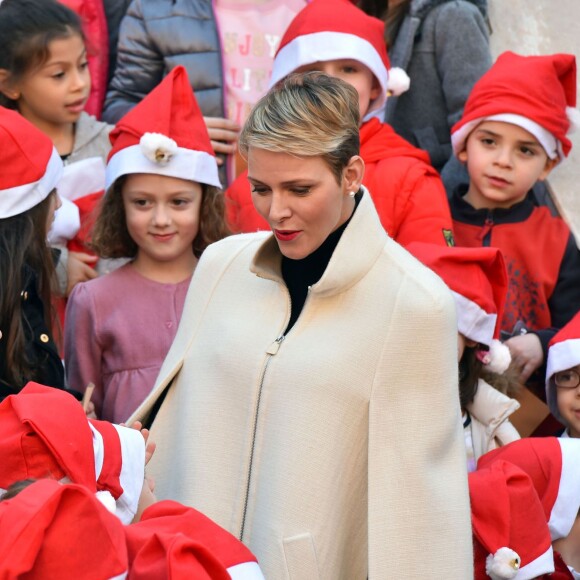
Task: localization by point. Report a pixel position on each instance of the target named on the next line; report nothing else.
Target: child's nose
(504, 156)
(161, 216)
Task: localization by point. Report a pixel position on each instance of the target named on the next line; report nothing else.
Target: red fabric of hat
(44, 434)
(478, 279)
(330, 30)
(541, 89)
(511, 537)
(553, 465)
(173, 537)
(59, 531)
(31, 167)
(164, 134)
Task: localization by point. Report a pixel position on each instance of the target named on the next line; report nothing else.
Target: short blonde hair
(306, 115)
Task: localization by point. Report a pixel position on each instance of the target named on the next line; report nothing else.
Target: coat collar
(87, 129)
(358, 249)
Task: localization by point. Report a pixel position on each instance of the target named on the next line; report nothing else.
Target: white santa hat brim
(561, 356)
(325, 46)
(474, 322)
(197, 166)
(17, 200)
(551, 145)
(543, 564)
(567, 504)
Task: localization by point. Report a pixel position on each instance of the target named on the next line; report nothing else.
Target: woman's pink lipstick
(286, 235)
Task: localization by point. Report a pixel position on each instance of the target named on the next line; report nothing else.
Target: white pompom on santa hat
(478, 280)
(31, 166)
(44, 433)
(165, 134)
(510, 533)
(537, 93)
(336, 29)
(553, 465)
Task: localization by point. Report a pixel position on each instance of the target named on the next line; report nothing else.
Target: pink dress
(118, 330)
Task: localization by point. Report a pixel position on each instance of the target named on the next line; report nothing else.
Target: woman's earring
(351, 193)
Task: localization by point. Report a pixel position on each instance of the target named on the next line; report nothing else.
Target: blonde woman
(309, 401)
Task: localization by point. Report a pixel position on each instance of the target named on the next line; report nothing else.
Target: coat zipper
(271, 351)
(485, 235)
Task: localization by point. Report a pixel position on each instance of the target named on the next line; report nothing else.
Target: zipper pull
(275, 346)
(487, 225)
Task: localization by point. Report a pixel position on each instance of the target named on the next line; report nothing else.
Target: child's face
(55, 93)
(162, 218)
(54, 204)
(504, 161)
(568, 401)
(353, 72)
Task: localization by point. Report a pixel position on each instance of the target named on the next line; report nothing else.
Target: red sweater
(405, 188)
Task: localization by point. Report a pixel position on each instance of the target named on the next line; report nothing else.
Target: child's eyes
(487, 141)
(140, 202)
(84, 65)
(58, 75)
(349, 69)
(527, 151)
(180, 202)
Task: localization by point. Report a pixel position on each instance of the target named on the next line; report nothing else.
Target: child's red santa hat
(336, 29)
(537, 93)
(31, 167)
(511, 538)
(563, 354)
(51, 530)
(478, 281)
(44, 433)
(171, 537)
(164, 134)
(553, 465)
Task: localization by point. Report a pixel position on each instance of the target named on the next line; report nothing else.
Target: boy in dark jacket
(512, 134)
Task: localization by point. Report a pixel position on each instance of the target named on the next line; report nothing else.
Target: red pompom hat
(478, 280)
(51, 530)
(336, 29)
(31, 166)
(553, 465)
(563, 354)
(44, 433)
(511, 537)
(164, 134)
(537, 93)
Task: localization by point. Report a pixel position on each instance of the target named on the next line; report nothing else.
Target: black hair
(27, 27)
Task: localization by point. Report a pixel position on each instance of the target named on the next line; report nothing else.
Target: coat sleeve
(139, 68)
(425, 216)
(463, 54)
(419, 515)
(82, 350)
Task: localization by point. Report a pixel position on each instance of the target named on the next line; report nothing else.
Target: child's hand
(149, 445)
(223, 134)
(527, 354)
(79, 269)
(90, 410)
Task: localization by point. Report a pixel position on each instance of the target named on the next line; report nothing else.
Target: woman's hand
(223, 134)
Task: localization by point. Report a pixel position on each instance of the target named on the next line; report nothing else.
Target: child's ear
(550, 164)
(6, 89)
(462, 156)
(376, 89)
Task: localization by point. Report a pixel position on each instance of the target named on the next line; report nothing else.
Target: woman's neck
(170, 272)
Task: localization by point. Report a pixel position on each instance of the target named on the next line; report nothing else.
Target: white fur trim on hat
(246, 571)
(551, 145)
(107, 500)
(66, 224)
(503, 565)
(187, 164)
(16, 200)
(157, 147)
(543, 564)
(567, 504)
(473, 321)
(324, 46)
(573, 115)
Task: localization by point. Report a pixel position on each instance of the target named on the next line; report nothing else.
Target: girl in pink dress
(162, 207)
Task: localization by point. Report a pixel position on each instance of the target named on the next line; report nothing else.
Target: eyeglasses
(567, 379)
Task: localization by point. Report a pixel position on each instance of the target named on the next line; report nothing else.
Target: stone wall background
(544, 27)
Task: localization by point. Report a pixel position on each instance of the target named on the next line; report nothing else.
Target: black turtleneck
(299, 275)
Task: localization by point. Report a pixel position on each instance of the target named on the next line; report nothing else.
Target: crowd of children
(144, 199)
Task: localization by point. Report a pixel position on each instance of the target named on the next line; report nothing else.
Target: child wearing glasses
(563, 377)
